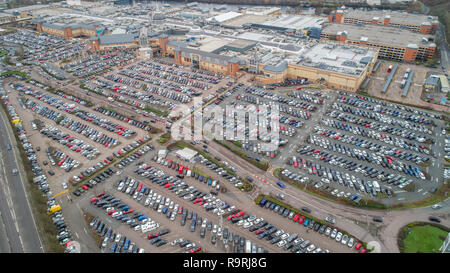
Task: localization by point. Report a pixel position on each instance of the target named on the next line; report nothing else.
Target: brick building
(393, 43)
(415, 22)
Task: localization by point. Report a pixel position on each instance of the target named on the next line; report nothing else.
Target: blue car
(306, 223)
(281, 185)
(263, 202)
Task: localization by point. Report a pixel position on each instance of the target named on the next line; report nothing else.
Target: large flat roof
(378, 34)
(295, 21)
(396, 16)
(350, 60)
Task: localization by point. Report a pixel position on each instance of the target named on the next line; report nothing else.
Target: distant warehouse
(66, 31)
(113, 41)
(393, 43)
(415, 22)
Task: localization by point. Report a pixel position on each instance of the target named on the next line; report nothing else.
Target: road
(18, 231)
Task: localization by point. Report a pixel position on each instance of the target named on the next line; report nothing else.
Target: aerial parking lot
(358, 148)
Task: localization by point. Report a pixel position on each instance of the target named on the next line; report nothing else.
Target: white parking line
(419, 190)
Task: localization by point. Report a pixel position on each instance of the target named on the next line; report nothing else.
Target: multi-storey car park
(104, 133)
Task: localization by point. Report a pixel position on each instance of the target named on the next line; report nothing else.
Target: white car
(338, 236)
(247, 224)
(328, 231)
(284, 236)
(214, 230)
(241, 222)
(436, 206)
(281, 243)
(311, 248)
(351, 242)
(333, 233)
(219, 232)
(64, 185)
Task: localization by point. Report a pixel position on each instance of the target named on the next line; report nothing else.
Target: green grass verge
(263, 165)
(18, 73)
(156, 111)
(164, 138)
(419, 237)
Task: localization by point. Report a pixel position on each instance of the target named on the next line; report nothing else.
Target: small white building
(186, 154)
(162, 153)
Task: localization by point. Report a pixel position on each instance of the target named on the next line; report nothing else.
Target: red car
(231, 217)
(85, 187)
(295, 219)
(128, 211)
(111, 211)
(358, 246)
(195, 249)
(151, 236)
(241, 213)
(259, 231)
(363, 250)
(301, 219)
(94, 199)
(180, 210)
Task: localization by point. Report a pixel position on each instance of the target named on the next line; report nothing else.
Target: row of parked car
(291, 242)
(366, 105)
(136, 155)
(94, 181)
(138, 98)
(39, 177)
(94, 63)
(65, 161)
(378, 158)
(156, 83)
(63, 235)
(392, 105)
(168, 207)
(71, 142)
(180, 77)
(386, 119)
(365, 133)
(314, 96)
(43, 47)
(60, 93)
(89, 132)
(119, 243)
(170, 69)
(184, 171)
(123, 118)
